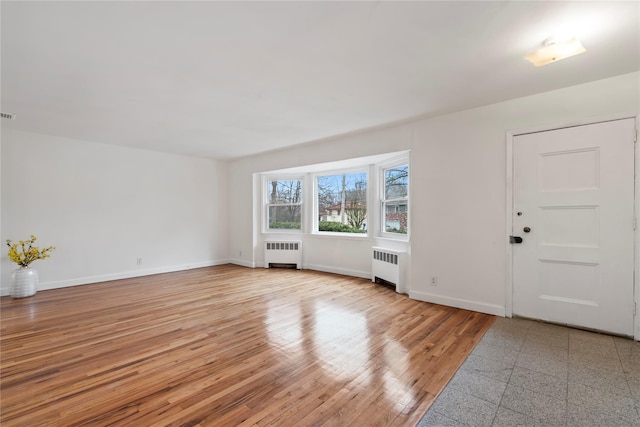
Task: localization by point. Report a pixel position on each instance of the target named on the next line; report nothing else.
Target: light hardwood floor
(228, 346)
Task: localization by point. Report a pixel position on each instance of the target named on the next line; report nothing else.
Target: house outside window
(395, 200)
(284, 204)
(342, 202)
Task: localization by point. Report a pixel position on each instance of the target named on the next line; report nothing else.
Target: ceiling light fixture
(555, 50)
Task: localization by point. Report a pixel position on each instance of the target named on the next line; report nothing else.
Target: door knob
(526, 229)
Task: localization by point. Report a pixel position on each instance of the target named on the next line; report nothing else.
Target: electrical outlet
(139, 261)
(434, 280)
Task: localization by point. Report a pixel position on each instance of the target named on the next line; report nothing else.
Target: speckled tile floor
(527, 373)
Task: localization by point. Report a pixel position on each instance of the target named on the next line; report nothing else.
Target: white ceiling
(229, 79)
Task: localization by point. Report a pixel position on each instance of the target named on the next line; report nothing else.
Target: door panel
(574, 194)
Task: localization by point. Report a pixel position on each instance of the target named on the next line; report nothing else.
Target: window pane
(284, 217)
(395, 217)
(342, 203)
(284, 191)
(396, 182)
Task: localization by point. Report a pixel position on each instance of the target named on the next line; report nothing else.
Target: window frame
(267, 204)
(316, 205)
(382, 169)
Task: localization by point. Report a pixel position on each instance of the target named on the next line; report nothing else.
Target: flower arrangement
(24, 253)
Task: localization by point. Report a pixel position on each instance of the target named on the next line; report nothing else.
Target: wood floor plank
(228, 345)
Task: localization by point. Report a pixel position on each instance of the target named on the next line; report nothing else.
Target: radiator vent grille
(385, 257)
(283, 246)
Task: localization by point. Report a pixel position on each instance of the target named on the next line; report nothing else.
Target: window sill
(403, 238)
(330, 235)
(283, 231)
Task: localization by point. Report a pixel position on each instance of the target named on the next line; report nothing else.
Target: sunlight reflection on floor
(335, 341)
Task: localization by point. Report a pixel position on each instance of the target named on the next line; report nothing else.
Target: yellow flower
(24, 253)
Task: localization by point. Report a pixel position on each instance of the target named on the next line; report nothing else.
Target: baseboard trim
(481, 307)
(242, 263)
(495, 310)
(43, 286)
(343, 271)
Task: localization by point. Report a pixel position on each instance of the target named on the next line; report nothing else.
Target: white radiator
(283, 252)
(390, 266)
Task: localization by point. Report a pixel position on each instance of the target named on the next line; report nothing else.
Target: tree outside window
(284, 204)
(395, 203)
(342, 203)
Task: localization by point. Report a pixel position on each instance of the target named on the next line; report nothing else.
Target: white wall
(104, 206)
(462, 197)
(458, 200)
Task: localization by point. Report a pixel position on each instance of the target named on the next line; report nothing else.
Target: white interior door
(573, 207)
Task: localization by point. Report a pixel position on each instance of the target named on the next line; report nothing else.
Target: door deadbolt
(526, 229)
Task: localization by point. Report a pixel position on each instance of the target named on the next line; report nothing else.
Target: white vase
(24, 282)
